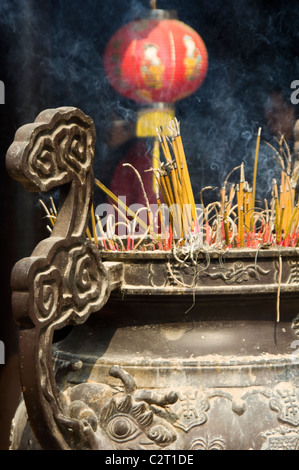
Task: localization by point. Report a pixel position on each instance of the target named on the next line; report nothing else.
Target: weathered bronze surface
(149, 352)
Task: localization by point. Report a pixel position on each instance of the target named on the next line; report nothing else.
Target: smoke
(252, 52)
(53, 56)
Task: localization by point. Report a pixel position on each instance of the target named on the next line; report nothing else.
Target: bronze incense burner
(154, 353)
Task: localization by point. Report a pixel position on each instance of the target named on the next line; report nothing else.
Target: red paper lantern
(156, 60)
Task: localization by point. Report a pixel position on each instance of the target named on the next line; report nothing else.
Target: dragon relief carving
(174, 274)
(108, 419)
(127, 418)
(238, 273)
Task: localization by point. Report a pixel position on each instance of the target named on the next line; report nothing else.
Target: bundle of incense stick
(174, 182)
(233, 221)
(237, 224)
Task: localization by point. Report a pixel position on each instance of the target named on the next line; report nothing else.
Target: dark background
(51, 55)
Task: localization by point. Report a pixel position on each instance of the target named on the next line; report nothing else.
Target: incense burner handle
(64, 280)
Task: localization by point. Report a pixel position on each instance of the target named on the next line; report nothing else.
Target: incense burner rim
(234, 253)
(205, 361)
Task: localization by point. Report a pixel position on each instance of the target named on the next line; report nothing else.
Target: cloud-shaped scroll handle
(64, 280)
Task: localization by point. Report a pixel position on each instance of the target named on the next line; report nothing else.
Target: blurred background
(51, 55)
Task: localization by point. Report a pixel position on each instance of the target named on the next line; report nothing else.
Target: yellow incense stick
(52, 219)
(230, 199)
(93, 223)
(256, 162)
(88, 234)
(185, 171)
(122, 205)
(255, 168)
(156, 163)
(280, 224)
(226, 228)
(290, 222)
(241, 206)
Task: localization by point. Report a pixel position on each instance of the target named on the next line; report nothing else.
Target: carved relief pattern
(47, 288)
(132, 419)
(64, 280)
(239, 273)
(190, 410)
(206, 443)
(72, 283)
(126, 419)
(294, 272)
(286, 405)
(60, 149)
(282, 438)
(61, 154)
(174, 274)
(181, 419)
(295, 325)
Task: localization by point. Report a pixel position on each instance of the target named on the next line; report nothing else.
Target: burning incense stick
(93, 222)
(121, 204)
(241, 205)
(255, 166)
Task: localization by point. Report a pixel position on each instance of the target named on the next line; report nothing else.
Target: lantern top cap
(158, 14)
